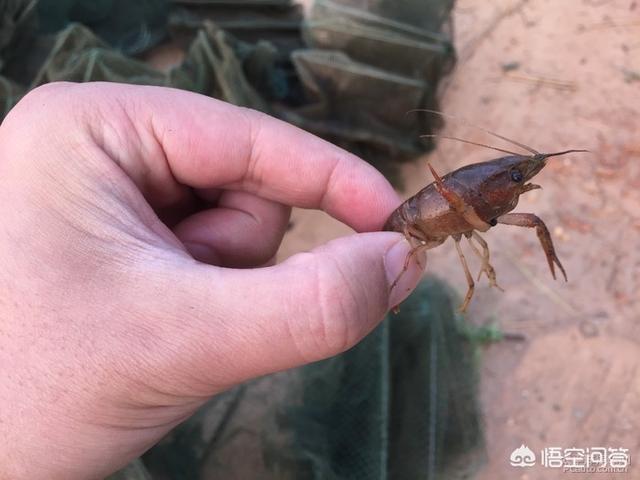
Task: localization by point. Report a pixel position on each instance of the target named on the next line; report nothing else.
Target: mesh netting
(329, 73)
(399, 405)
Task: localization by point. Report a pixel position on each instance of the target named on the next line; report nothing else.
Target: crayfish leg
(467, 273)
(532, 221)
(486, 268)
(413, 252)
(419, 243)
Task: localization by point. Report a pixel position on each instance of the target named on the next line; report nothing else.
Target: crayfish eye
(516, 176)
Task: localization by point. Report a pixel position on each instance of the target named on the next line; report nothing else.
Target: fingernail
(394, 261)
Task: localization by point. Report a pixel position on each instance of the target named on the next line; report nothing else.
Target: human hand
(110, 332)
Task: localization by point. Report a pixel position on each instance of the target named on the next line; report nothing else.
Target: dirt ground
(554, 75)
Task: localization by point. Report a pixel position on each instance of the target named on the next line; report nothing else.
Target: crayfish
(473, 199)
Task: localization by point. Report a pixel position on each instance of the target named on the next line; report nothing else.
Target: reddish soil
(574, 381)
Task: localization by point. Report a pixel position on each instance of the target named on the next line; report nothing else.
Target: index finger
(210, 143)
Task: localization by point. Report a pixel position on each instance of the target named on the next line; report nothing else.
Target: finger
(245, 323)
(165, 139)
(268, 157)
(242, 231)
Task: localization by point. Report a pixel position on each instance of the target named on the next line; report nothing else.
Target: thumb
(246, 323)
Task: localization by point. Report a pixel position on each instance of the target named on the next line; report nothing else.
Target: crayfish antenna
(433, 135)
(469, 124)
(557, 154)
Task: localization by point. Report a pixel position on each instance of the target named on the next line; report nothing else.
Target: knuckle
(255, 121)
(36, 118)
(37, 100)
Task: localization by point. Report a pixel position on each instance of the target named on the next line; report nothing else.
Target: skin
(136, 226)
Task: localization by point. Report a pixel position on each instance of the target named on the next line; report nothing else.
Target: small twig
(551, 82)
(471, 47)
(630, 75)
(613, 275)
(610, 24)
(542, 287)
(514, 336)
